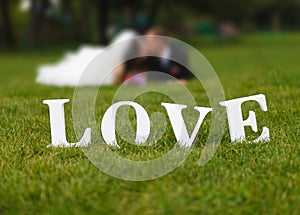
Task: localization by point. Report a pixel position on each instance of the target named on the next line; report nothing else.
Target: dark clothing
(158, 64)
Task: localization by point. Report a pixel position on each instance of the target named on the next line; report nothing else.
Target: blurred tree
(103, 13)
(135, 14)
(38, 18)
(6, 22)
(153, 11)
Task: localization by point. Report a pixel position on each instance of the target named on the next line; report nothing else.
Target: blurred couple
(69, 70)
(156, 53)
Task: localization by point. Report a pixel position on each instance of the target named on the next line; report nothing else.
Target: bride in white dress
(69, 69)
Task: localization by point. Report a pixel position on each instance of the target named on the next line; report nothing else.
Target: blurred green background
(34, 23)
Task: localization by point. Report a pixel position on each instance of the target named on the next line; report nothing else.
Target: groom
(160, 46)
(163, 52)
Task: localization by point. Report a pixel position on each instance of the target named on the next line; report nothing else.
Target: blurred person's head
(156, 45)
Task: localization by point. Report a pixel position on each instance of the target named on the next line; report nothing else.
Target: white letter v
(178, 124)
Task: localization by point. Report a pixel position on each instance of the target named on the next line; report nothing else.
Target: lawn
(241, 178)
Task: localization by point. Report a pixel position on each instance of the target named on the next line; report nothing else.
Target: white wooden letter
(235, 118)
(179, 127)
(108, 124)
(58, 128)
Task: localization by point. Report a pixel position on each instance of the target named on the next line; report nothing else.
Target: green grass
(240, 178)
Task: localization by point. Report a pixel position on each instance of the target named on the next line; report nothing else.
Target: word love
(108, 125)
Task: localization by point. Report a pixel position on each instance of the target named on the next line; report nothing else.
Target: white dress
(68, 70)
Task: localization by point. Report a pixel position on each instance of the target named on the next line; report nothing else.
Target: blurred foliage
(78, 21)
